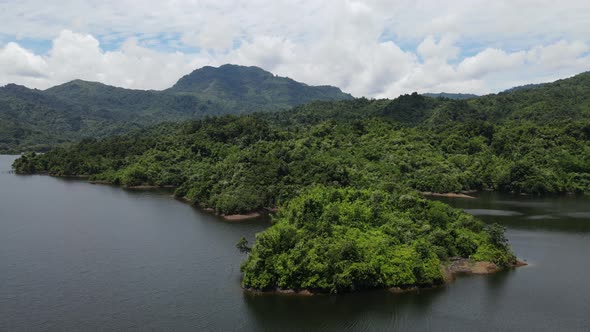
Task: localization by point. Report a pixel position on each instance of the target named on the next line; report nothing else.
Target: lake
(77, 256)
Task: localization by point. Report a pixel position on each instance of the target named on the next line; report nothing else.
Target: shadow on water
(496, 285)
(358, 311)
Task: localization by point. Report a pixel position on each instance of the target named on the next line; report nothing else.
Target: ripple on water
(533, 204)
(541, 217)
(490, 212)
(578, 215)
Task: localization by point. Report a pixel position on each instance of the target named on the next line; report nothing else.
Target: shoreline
(239, 217)
(138, 187)
(465, 266)
(450, 269)
(227, 217)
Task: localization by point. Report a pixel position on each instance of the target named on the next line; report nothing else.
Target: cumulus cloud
(439, 51)
(375, 48)
(17, 62)
(79, 56)
(218, 34)
(559, 55)
(490, 60)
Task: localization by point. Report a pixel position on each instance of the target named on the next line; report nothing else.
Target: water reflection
(364, 311)
(541, 217)
(555, 213)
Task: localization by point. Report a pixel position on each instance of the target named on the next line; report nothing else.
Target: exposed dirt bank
(238, 217)
(459, 266)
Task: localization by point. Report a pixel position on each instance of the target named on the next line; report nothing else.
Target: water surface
(76, 256)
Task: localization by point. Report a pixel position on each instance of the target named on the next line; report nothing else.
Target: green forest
(347, 176)
(342, 240)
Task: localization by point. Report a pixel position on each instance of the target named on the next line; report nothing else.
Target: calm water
(76, 256)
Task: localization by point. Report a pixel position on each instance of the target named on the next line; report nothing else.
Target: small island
(341, 240)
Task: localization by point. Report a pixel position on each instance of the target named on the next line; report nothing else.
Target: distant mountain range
(37, 120)
(32, 119)
(462, 96)
(455, 96)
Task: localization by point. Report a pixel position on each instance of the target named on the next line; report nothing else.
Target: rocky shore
(458, 266)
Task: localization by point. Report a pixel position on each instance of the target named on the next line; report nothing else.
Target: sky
(372, 48)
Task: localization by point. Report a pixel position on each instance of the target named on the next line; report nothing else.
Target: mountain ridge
(78, 109)
(456, 96)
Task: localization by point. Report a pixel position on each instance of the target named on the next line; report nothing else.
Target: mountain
(139, 106)
(32, 119)
(251, 88)
(455, 96)
(21, 109)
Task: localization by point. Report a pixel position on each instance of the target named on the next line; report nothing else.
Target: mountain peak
(228, 74)
(251, 88)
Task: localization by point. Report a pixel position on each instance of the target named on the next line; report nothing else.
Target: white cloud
(218, 34)
(351, 44)
(15, 62)
(489, 61)
(559, 55)
(441, 51)
(80, 56)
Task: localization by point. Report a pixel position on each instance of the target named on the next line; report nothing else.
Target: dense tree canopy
(339, 240)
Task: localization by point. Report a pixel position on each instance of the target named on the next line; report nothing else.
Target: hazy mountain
(32, 119)
(456, 96)
(524, 87)
(251, 88)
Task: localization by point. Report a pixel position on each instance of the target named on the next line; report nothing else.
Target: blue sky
(374, 48)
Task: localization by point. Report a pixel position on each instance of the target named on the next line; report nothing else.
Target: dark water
(76, 256)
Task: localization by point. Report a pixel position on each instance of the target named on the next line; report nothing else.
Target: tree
(497, 236)
(242, 246)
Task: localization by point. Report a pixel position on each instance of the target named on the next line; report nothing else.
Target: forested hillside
(457, 96)
(530, 141)
(35, 120)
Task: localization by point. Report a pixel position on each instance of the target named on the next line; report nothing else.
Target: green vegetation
(346, 173)
(34, 120)
(341, 240)
(456, 96)
(514, 142)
